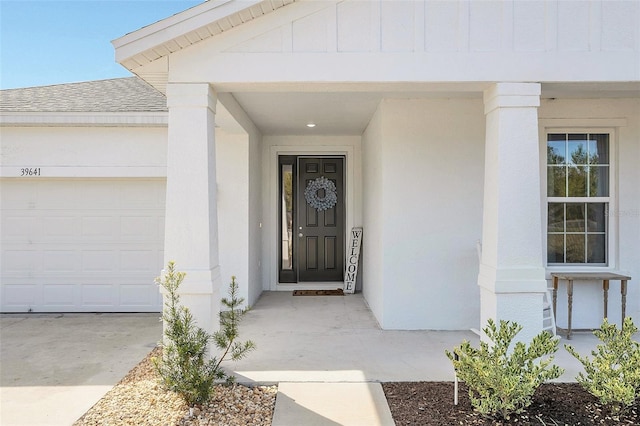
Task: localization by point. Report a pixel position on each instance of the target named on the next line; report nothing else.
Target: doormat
(336, 292)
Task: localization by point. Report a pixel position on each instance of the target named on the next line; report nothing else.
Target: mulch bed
(431, 404)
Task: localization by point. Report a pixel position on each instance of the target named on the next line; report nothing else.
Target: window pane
(577, 166)
(596, 217)
(287, 217)
(596, 248)
(575, 217)
(555, 217)
(555, 248)
(575, 248)
(556, 152)
(577, 146)
(598, 181)
(556, 181)
(599, 149)
(577, 181)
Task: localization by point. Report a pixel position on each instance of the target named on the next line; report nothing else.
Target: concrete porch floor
(337, 339)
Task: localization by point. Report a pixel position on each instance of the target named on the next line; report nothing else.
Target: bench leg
(623, 293)
(605, 290)
(570, 307)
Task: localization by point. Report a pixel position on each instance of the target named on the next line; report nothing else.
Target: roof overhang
(186, 28)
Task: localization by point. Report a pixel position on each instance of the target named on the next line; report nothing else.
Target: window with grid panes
(578, 194)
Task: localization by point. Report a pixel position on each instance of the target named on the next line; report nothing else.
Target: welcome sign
(353, 256)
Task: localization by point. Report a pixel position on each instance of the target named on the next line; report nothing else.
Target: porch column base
(513, 294)
(200, 292)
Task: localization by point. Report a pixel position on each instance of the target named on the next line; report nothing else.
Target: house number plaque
(353, 256)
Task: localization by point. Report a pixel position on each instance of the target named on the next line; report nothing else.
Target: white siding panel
(355, 25)
(440, 37)
(485, 26)
(573, 30)
(620, 25)
(311, 33)
(73, 245)
(397, 26)
(270, 41)
(529, 26)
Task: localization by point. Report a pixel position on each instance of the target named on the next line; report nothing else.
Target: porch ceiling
(347, 109)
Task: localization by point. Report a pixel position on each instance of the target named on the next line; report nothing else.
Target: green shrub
(613, 376)
(185, 367)
(502, 381)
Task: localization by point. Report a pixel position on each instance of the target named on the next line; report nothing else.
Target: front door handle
(300, 235)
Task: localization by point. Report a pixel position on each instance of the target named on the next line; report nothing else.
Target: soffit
(347, 109)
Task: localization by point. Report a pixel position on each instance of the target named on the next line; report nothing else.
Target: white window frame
(612, 224)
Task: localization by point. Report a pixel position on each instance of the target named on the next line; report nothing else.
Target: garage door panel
(93, 255)
(137, 295)
(19, 195)
(23, 262)
(60, 261)
(98, 227)
(18, 227)
(99, 195)
(58, 195)
(99, 260)
(142, 194)
(138, 227)
(98, 295)
(61, 226)
(138, 261)
(59, 295)
(19, 297)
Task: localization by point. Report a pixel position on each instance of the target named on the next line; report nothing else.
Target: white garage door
(81, 245)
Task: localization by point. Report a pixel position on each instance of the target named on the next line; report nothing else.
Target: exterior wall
(256, 216)
(621, 116)
(239, 156)
(232, 168)
(373, 243)
(85, 151)
(425, 162)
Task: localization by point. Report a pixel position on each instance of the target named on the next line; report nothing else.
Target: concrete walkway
(327, 354)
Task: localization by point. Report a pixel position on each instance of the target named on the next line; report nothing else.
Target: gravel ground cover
(431, 404)
(139, 399)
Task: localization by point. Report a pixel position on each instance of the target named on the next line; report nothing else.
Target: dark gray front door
(320, 219)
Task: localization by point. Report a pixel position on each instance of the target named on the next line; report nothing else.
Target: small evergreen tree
(613, 375)
(500, 381)
(185, 367)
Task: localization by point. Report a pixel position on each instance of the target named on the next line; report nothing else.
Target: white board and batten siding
(81, 245)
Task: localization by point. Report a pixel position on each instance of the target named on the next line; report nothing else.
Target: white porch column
(512, 274)
(191, 223)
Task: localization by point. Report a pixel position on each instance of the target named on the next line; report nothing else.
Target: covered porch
(444, 144)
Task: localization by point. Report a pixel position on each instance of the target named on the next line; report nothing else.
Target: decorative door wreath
(330, 196)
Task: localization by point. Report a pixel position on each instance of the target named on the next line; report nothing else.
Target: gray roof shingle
(129, 94)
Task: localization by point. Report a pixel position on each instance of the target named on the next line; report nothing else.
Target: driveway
(54, 367)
